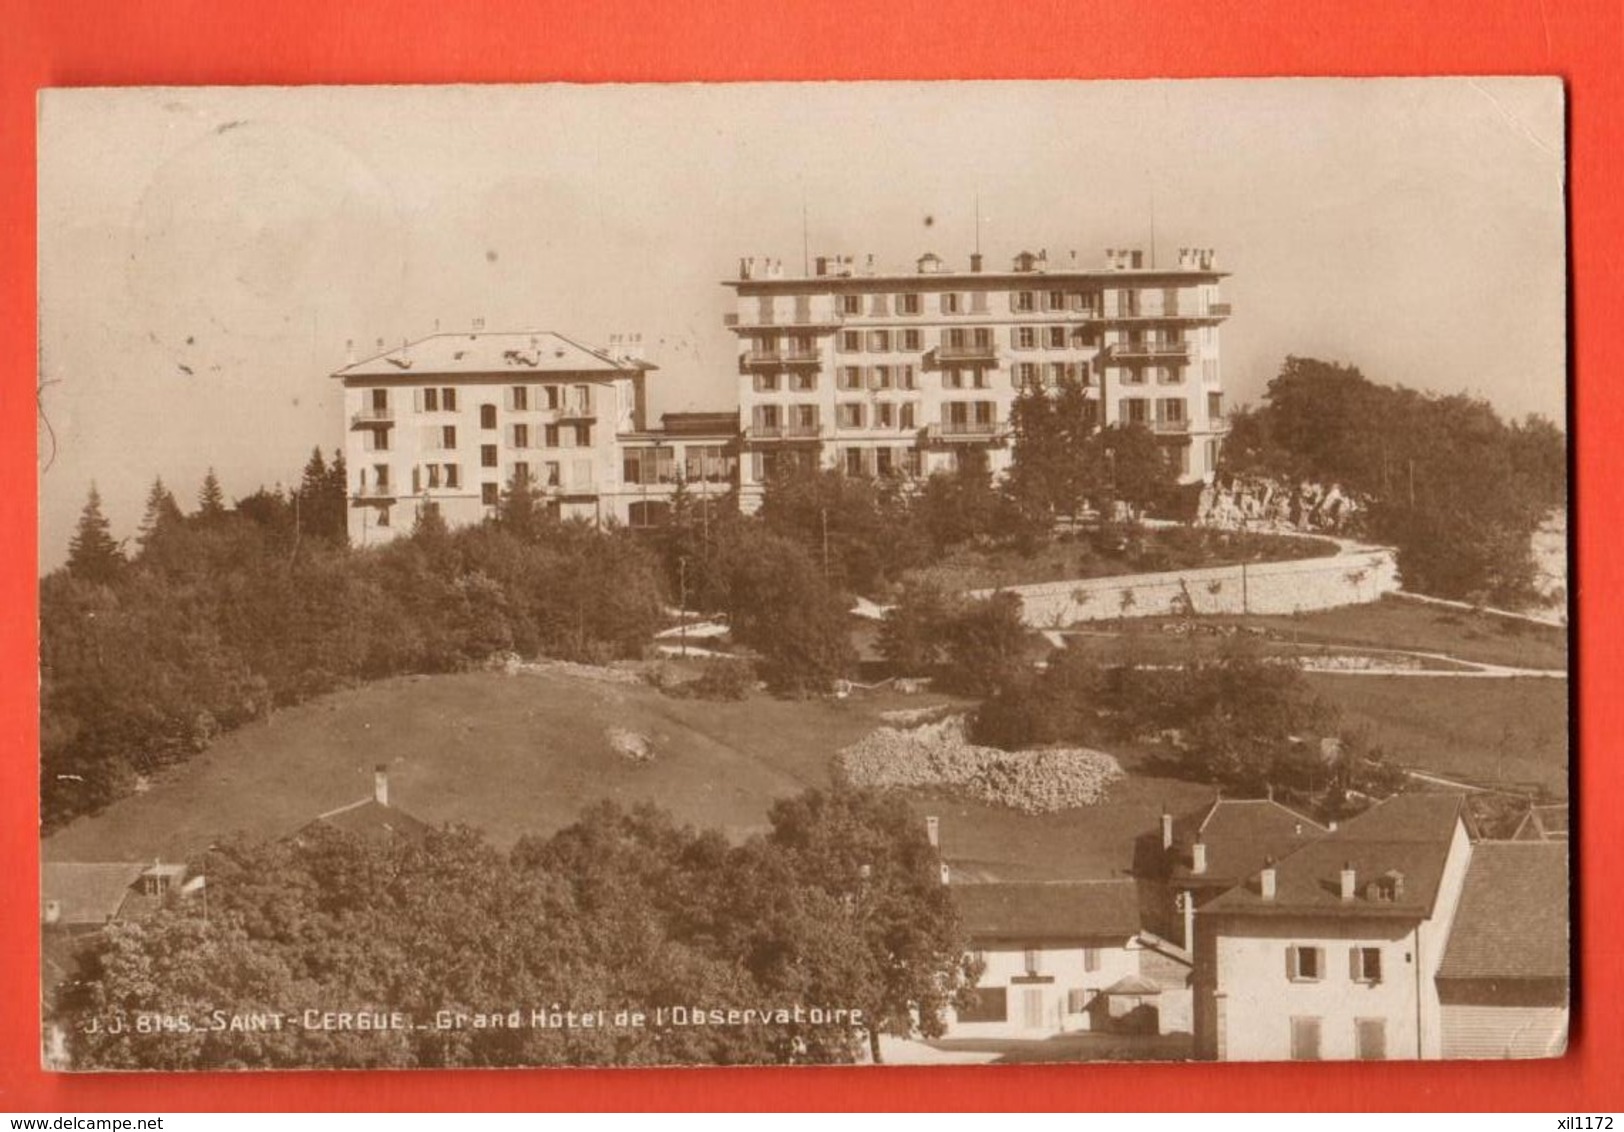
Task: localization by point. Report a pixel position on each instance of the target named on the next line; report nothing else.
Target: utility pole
(682, 601)
(823, 514)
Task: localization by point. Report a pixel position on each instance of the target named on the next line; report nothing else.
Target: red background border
(116, 43)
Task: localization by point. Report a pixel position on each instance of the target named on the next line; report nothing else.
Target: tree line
(1457, 490)
(838, 906)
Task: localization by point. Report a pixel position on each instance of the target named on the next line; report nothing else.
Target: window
(1305, 1039)
(879, 341)
(549, 473)
(913, 340)
(1034, 961)
(853, 461)
(884, 463)
(851, 377)
(1024, 301)
(1077, 1000)
(448, 399)
(1365, 964)
(549, 436)
(885, 415)
(849, 415)
(521, 436)
(583, 436)
(851, 341)
(431, 400)
(952, 302)
(908, 304)
(877, 305)
(383, 515)
(906, 378)
(521, 473)
(991, 1004)
(1056, 374)
(905, 415)
(851, 304)
(1055, 301)
(804, 381)
(1305, 964)
(489, 494)
(803, 420)
(380, 400)
(1215, 406)
(519, 397)
(1026, 337)
(913, 461)
(880, 378)
(953, 379)
(1056, 336)
(448, 436)
(487, 455)
(766, 382)
(1370, 1039)
(433, 475)
(376, 440)
(1170, 411)
(380, 476)
(709, 463)
(1091, 959)
(649, 465)
(1026, 374)
(453, 476)
(648, 513)
(553, 397)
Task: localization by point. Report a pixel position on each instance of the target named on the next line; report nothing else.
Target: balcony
(967, 432)
(967, 352)
(1218, 310)
(782, 356)
(579, 411)
(825, 318)
(759, 433)
(1148, 351)
(375, 493)
(1170, 426)
(373, 418)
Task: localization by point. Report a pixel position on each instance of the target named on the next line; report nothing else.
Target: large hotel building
(871, 373)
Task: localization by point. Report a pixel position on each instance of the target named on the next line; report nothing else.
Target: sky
(208, 257)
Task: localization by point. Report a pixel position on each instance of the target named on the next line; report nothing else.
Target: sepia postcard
(887, 573)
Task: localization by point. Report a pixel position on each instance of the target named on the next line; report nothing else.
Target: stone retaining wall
(1354, 577)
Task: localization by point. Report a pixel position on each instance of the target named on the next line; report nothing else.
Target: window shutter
(1354, 971)
(417, 400)
(1291, 962)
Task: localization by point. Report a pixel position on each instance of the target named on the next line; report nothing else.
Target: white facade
(899, 374)
(1045, 989)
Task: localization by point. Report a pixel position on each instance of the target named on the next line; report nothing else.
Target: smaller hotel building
(453, 418)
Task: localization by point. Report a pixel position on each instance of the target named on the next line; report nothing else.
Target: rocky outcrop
(1261, 503)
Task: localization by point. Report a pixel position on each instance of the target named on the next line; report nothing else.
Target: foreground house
(1334, 950)
(1066, 956)
(1503, 985)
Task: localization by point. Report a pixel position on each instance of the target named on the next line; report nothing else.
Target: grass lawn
(1397, 623)
(1071, 557)
(509, 754)
(1494, 732)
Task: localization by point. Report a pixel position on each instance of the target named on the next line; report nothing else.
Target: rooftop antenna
(978, 222)
(806, 240)
(1152, 181)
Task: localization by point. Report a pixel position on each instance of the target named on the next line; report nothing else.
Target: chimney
(1398, 884)
(1167, 830)
(1265, 879)
(380, 784)
(1198, 857)
(349, 351)
(946, 873)
(933, 830)
(53, 908)
(1350, 879)
(975, 263)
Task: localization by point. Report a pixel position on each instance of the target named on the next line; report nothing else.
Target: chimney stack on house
(1265, 879)
(380, 784)
(933, 830)
(1350, 880)
(1167, 830)
(1198, 857)
(946, 873)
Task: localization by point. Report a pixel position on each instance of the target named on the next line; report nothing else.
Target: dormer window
(1387, 888)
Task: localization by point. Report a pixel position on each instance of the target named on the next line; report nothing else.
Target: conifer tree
(211, 501)
(93, 555)
(161, 514)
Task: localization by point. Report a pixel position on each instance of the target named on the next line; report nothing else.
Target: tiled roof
(369, 818)
(525, 352)
(1240, 834)
(1037, 910)
(1512, 922)
(87, 893)
(1408, 836)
